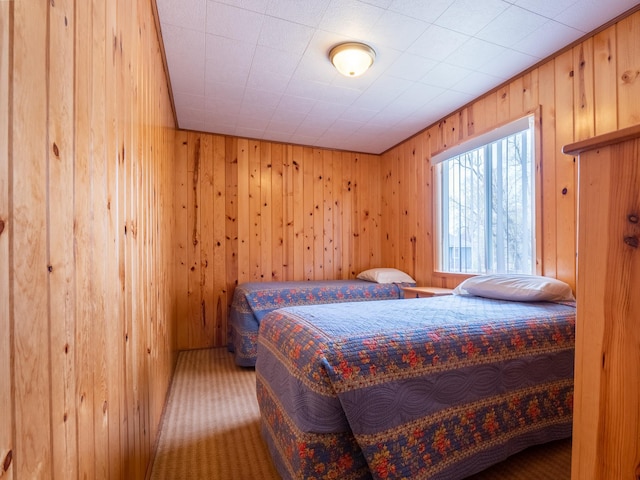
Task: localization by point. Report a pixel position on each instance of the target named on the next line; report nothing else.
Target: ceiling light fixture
(352, 59)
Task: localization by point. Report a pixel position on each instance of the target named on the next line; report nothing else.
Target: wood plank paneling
(565, 188)
(61, 285)
(28, 271)
(6, 324)
(546, 74)
(87, 147)
(219, 277)
(231, 221)
(583, 95)
(114, 308)
(267, 212)
(181, 262)
(604, 81)
(628, 67)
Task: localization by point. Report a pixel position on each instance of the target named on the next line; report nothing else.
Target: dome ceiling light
(352, 59)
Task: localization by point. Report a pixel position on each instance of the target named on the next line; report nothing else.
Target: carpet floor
(211, 430)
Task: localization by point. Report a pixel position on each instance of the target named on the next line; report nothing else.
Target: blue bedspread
(253, 300)
(436, 388)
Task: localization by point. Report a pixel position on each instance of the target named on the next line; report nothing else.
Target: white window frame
(532, 119)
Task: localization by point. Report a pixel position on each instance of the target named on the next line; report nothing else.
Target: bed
(436, 388)
(253, 300)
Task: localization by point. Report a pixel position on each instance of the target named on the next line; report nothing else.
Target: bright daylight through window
(486, 203)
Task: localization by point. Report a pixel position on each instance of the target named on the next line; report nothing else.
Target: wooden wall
(590, 89)
(251, 210)
(87, 302)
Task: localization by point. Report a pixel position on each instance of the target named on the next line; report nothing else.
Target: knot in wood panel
(629, 76)
(7, 461)
(1, 226)
(632, 241)
(633, 218)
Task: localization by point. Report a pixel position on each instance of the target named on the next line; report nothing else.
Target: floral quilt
(431, 388)
(253, 300)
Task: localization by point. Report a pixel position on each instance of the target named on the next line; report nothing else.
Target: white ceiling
(260, 68)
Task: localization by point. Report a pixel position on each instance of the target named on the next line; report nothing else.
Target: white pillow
(516, 287)
(385, 275)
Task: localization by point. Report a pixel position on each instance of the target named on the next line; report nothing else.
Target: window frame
(474, 141)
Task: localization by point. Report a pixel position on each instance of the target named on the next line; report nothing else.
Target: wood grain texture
(29, 270)
(61, 285)
(263, 211)
(628, 69)
(607, 408)
(6, 321)
(90, 307)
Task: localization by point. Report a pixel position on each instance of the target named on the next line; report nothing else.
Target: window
(485, 198)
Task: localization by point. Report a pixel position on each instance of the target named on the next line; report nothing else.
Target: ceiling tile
(477, 84)
(259, 6)
(441, 105)
(507, 64)
(475, 53)
(421, 10)
(378, 3)
(511, 26)
(329, 112)
(308, 89)
(184, 53)
(415, 97)
(544, 41)
(295, 104)
(220, 72)
(189, 14)
(339, 95)
(546, 8)
(355, 114)
(470, 16)
(305, 13)
(397, 31)
(341, 130)
(224, 92)
(437, 43)
(351, 18)
(188, 101)
(445, 75)
(411, 67)
(261, 97)
(284, 35)
(587, 15)
(268, 81)
(229, 51)
(226, 20)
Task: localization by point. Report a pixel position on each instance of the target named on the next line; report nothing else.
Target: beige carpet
(211, 429)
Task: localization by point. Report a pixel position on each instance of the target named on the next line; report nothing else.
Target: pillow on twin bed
(516, 287)
(385, 275)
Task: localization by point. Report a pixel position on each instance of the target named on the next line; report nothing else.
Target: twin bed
(253, 300)
(431, 388)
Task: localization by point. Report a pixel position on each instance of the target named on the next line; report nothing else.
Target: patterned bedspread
(252, 301)
(436, 388)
